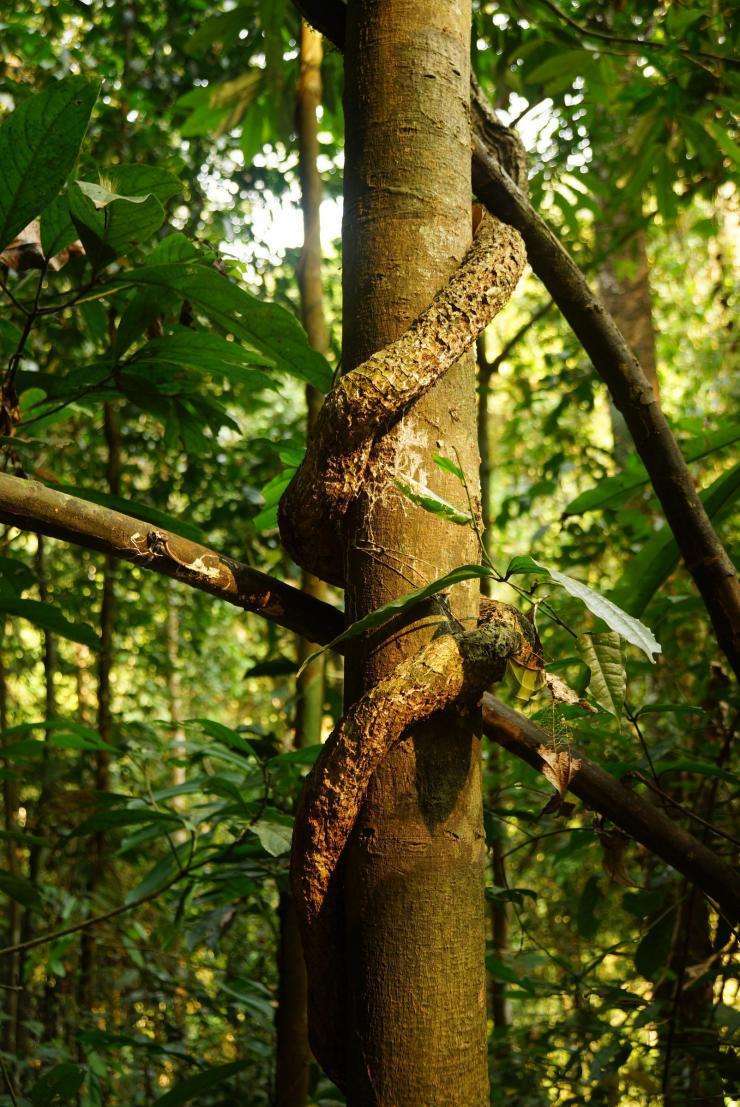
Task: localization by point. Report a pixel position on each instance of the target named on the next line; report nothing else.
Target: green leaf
(523, 682)
(499, 970)
(39, 144)
(449, 467)
(382, 614)
(654, 949)
(669, 709)
(635, 475)
(187, 1090)
(274, 837)
(568, 64)
(121, 817)
(47, 617)
(430, 501)
(209, 354)
(586, 917)
(142, 180)
(264, 326)
(20, 889)
(658, 558)
(116, 222)
(59, 1085)
(57, 228)
(631, 629)
(724, 140)
(272, 667)
(523, 563)
(15, 576)
(603, 655)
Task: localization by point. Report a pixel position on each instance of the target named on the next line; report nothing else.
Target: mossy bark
(414, 912)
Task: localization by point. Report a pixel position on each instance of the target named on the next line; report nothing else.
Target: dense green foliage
(177, 324)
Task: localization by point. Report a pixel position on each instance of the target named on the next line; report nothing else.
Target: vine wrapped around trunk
(342, 460)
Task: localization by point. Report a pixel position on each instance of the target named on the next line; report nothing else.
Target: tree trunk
(413, 902)
(12, 926)
(624, 287)
(499, 915)
(87, 985)
(293, 1057)
(36, 856)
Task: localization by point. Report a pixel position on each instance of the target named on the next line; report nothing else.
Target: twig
(9, 1083)
(641, 43)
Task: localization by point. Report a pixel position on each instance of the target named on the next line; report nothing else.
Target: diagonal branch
(29, 505)
(639, 818)
(704, 555)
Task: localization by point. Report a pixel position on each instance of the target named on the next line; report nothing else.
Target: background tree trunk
(414, 905)
(87, 982)
(293, 1058)
(624, 287)
(499, 916)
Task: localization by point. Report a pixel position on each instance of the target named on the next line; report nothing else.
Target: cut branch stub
(369, 400)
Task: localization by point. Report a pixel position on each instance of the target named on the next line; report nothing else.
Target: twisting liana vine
(345, 459)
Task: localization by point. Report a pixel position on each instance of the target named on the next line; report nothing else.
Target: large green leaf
(431, 502)
(109, 223)
(206, 353)
(20, 889)
(603, 655)
(39, 144)
(631, 629)
(267, 327)
(187, 1090)
(634, 474)
(658, 558)
(47, 617)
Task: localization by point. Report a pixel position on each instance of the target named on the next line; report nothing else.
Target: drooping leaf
(586, 913)
(651, 955)
(39, 143)
(431, 502)
(274, 837)
(271, 667)
(264, 326)
(658, 558)
(109, 224)
(634, 474)
(20, 889)
(15, 576)
(48, 617)
(603, 655)
(631, 629)
(209, 354)
(57, 228)
(59, 1085)
(188, 1090)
